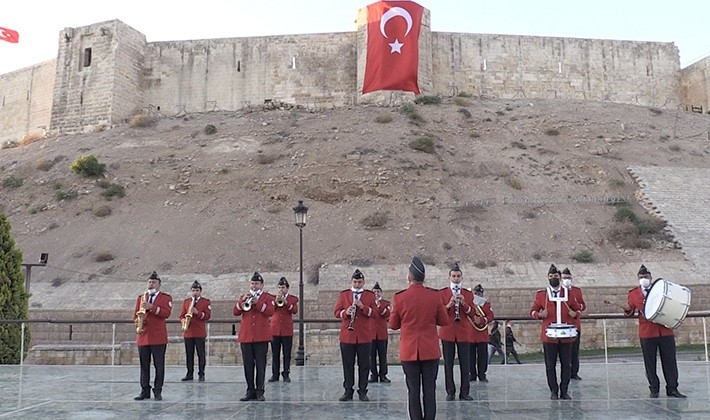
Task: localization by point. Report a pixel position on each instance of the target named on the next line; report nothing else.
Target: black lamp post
(300, 212)
(43, 259)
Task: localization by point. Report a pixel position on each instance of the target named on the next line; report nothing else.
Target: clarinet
(457, 316)
(351, 326)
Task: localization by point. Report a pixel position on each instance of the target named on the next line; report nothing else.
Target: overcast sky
(686, 23)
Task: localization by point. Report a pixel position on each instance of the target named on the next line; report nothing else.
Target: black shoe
(450, 397)
(158, 395)
(347, 396)
(287, 378)
(484, 379)
(260, 397)
(363, 397)
(273, 378)
(466, 397)
(142, 396)
(653, 394)
(201, 378)
(384, 380)
(186, 378)
(372, 379)
(675, 394)
(565, 396)
(553, 396)
(575, 377)
(248, 397)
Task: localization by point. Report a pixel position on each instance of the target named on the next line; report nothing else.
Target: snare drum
(667, 303)
(561, 331)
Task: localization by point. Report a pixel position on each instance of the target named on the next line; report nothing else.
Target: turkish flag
(392, 46)
(9, 35)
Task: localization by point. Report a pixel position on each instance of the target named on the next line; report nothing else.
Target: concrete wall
(26, 101)
(696, 85)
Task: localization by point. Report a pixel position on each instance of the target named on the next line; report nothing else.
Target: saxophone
(185, 324)
(140, 315)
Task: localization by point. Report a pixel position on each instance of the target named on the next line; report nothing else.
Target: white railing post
(22, 343)
(705, 339)
(207, 349)
(113, 343)
(606, 347)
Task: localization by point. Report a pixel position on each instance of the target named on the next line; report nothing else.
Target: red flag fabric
(392, 46)
(9, 35)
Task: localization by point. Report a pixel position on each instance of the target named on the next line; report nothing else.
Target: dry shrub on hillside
(383, 117)
(513, 182)
(423, 144)
(462, 102)
(143, 121)
(552, 132)
(267, 158)
(103, 256)
(43, 164)
(376, 220)
(101, 210)
(32, 137)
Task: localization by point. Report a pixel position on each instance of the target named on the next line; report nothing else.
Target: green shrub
(423, 144)
(69, 194)
(210, 129)
(583, 257)
(464, 95)
(626, 214)
(428, 100)
(12, 182)
(113, 190)
(88, 166)
(410, 110)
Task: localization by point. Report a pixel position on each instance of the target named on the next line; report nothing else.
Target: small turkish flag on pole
(392, 46)
(9, 35)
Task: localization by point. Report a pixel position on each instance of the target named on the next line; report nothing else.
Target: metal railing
(604, 317)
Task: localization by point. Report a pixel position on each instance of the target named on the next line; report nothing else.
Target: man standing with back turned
(417, 311)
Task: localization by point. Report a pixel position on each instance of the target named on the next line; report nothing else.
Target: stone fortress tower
(106, 72)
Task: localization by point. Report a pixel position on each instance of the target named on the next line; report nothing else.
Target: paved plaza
(617, 390)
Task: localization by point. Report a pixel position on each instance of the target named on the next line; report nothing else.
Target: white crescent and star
(396, 46)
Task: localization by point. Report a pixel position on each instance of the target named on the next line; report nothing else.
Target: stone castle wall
(106, 72)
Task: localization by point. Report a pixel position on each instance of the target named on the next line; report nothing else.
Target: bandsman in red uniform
(153, 307)
(456, 336)
(481, 316)
(194, 332)
(655, 338)
(545, 309)
(282, 331)
(417, 311)
(355, 307)
(379, 342)
(575, 293)
(255, 307)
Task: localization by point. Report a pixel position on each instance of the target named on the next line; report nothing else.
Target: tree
(13, 298)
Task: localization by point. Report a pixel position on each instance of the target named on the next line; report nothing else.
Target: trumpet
(247, 303)
(140, 315)
(280, 300)
(185, 324)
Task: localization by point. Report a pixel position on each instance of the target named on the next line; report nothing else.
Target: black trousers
(421, 381)
(508, 351)
(158, 354)
(666, 346)
(575, 354)
(192, 344)
(277, 343)
(449, 349)
(553, 351)
(478, 353)
(379, 350)
(348, 353)
(254, 355)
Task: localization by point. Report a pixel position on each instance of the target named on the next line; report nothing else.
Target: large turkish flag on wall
(392, 46)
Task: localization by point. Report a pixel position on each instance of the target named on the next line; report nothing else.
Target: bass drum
(667, 303)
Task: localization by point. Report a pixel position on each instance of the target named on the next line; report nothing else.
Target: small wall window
(87, 57)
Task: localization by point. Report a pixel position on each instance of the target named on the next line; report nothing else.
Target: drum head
(654, 299)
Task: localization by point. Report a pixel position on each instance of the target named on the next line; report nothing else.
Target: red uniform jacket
(460, 331)
(362, 327)
(481, 336)
(380, 318)
(197, 323)
(542, 302)
(417, 310)
(255, 327)
(282, 320)
(154, 330)
(575, 293)
(647, 329)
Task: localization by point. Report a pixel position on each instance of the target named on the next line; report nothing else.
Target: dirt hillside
(505, 181)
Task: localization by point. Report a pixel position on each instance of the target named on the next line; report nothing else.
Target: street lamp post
(300, 212)
(43, 259)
